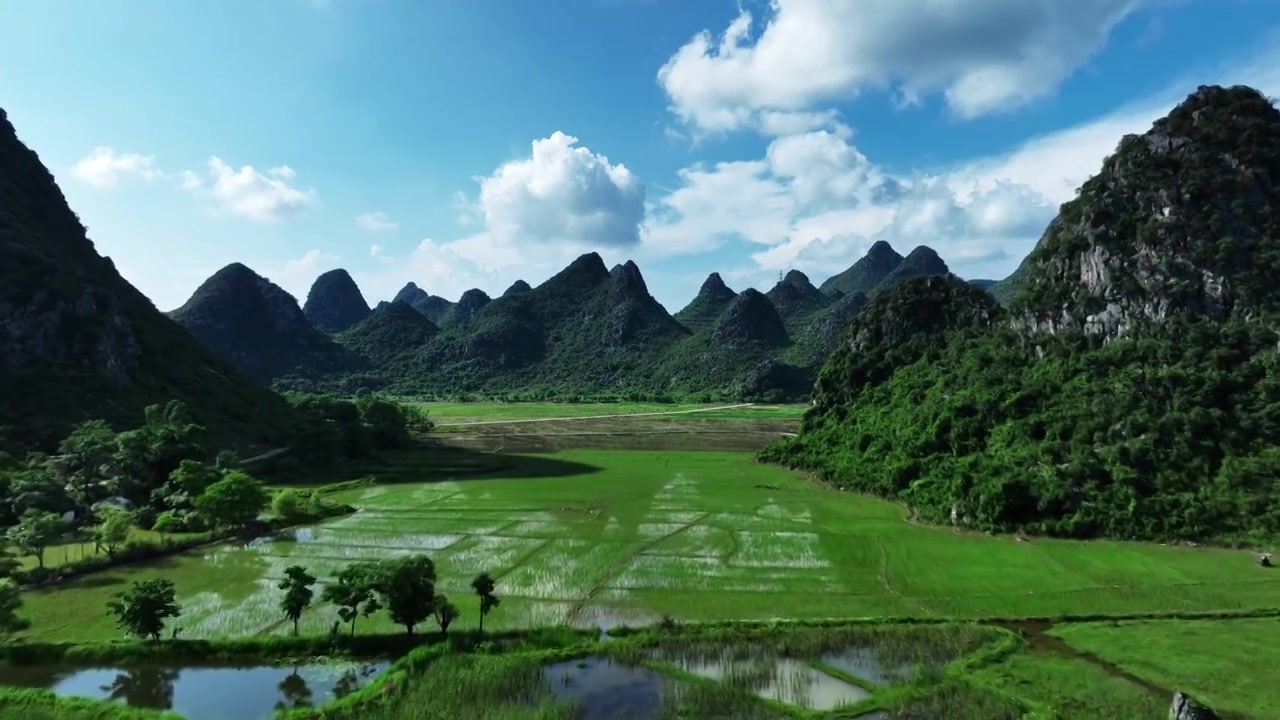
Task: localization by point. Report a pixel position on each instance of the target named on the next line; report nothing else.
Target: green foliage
(1162, 436)
(484, 586)
(235, 501)
(87, 463)
(352, 590)
(445, 612)
(297, 586)
(143, 609)
(35, 531)
(287, 504)
(406, 587)
(112, 529)
(10, 603)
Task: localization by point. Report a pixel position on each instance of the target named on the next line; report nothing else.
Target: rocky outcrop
(1176, 224)
(335, 303)
(1185, 708)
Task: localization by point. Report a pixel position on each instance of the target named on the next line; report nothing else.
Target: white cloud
(377, 222)
(982, 55)
(297, 275)
(816, 203)
(562, 194)
(105, 168)
(254, 195)
(190, 180)
(375, 250)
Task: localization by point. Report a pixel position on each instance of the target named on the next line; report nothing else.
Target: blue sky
(468, 143)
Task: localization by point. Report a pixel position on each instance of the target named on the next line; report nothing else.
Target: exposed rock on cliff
(1179, 222)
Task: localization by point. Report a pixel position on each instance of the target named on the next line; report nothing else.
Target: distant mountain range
(587, 331)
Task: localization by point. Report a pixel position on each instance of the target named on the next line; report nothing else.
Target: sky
(470, 143)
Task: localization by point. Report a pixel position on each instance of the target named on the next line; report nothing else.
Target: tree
(36, 531)
(10, 602)
(386, 422)
(352, 592)
(86, 463)
(112, 529)
(297, 593)
(407, 587)
(446, 613)
(235, 501)
(286, 504)
(186, 483)
(143, 608)
(484, 586)
(149, 454)
(33, 487)
(8, 563)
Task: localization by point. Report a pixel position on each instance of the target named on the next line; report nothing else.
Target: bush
(287, 504)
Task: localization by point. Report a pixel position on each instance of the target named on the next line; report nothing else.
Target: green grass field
(454, 413)
(613, 536)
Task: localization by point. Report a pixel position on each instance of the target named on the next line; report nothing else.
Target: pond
(206, 692)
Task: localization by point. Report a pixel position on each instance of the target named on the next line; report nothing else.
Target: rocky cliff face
(79, 341)
(1179, 222)
(335, 302)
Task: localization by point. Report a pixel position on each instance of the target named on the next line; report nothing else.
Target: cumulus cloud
(263, 197)
(105, 168)
(562, 193)
(982, 55)
(816, 203)
(377, 222)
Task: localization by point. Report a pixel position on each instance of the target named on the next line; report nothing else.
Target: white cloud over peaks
(983, 55)
(814, 202)
(104, 168)
(377, 222)
(562, 193)
(254, 195)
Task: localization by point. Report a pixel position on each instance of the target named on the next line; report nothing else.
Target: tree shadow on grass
(432, 461)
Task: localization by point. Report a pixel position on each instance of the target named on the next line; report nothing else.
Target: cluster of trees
(1168, 435)
(102, 483)
(337, 428)
(404, 587)
(166, 476)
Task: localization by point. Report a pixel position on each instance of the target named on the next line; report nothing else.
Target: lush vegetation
(613, 536)
(1153, 419)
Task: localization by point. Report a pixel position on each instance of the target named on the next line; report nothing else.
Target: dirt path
(594, 417)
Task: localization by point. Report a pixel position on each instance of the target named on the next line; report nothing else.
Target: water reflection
(203, 692)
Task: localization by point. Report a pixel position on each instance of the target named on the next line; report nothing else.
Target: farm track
(595, 417)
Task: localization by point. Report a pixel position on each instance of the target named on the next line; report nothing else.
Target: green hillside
(1131, 388)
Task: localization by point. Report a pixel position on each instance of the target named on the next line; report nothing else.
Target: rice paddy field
(605, 537)
(637, 519)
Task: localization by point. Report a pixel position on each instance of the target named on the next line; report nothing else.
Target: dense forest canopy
(1131, 390)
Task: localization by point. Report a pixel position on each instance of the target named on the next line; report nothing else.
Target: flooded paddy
(214, 692)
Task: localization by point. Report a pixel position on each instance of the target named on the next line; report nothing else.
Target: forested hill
(1132, 389)
(586, 332)
(80, 342)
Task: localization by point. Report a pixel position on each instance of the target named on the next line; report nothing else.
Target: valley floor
(628, 518)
